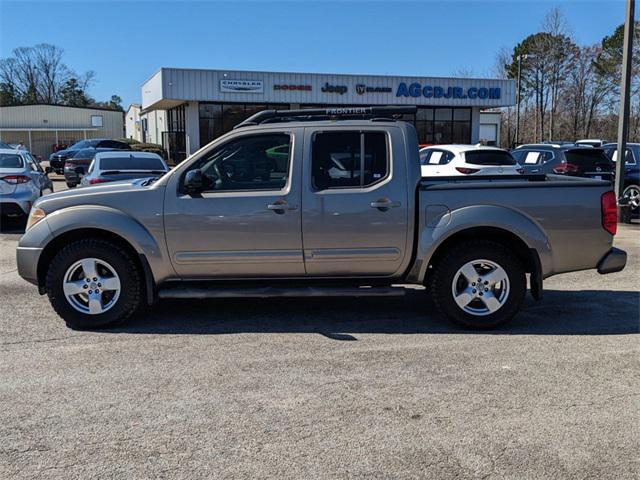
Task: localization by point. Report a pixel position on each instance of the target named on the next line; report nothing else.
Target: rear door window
(131, 163)
(337, 159)
(489, 157)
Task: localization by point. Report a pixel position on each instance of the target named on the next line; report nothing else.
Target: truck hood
(102, 194)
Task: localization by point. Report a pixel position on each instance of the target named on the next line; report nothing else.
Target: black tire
(131, 283)
(444, 273)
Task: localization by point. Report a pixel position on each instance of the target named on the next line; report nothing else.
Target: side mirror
(48, 170)
(193, 181)
(79, 171)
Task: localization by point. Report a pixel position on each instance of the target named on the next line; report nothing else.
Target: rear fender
(456, 222)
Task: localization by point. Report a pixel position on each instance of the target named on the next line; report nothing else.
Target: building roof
(62, 106)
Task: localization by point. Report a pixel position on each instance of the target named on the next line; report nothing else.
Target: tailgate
(591, 162)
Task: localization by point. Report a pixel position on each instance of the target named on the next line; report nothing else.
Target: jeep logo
(341, 89)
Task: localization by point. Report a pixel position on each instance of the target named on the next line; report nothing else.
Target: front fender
(103, 218)
(453, 222)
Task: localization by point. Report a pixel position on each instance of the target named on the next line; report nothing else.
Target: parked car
(591, 142)
(456, 160)
(57, 159)
(22, 182)
(5, 146)
(631, 172)
(77, 165)
(564, 160)
(206, 231)
(118, 165)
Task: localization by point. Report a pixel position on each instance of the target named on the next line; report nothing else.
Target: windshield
(84, 144)
(489, 157)
(131, 163)
(10, 160)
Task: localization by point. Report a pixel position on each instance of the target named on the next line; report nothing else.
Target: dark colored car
(80, 161)
(57, 159)
(631, 172)
(564, 160)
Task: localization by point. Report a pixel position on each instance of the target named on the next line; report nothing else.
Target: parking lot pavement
(318, 388)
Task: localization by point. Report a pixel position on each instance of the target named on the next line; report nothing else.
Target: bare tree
(37, 74)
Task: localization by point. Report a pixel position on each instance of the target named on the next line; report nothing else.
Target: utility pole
(624, 210)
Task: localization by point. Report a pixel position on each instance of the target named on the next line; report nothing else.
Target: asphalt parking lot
(300, 388)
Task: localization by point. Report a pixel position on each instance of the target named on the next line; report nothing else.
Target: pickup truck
(322, 202)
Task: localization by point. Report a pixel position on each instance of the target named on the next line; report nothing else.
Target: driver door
(246, 222)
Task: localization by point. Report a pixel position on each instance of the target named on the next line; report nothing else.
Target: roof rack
(330, 113)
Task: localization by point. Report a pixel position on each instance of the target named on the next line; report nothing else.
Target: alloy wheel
(91, 286)
(480, 287)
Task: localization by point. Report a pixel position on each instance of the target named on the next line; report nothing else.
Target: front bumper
(614, 261)
(27, 259)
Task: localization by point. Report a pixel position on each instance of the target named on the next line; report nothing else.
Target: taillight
(609, 208)
(93, 181)
(467, 171)
(16, 179)
(565, 168)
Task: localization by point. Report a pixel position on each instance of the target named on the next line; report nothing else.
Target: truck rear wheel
(479, 284)
(93, 283)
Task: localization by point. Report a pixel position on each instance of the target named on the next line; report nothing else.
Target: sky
(125, 42)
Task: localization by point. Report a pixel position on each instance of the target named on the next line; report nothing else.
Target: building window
(218, 118)
(96, 121)
(443, 125)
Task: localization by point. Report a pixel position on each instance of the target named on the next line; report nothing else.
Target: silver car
(123, 165)
(22, 182)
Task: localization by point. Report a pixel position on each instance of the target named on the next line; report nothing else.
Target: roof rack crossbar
(327, 113)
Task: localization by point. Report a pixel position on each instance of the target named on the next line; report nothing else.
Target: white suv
(455, 160)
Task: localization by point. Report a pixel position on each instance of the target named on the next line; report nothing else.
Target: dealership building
(200, 105)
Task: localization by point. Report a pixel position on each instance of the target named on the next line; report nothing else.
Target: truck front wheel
(93, 283)
(478, 284)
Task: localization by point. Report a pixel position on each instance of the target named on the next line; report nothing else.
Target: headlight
(35, 215)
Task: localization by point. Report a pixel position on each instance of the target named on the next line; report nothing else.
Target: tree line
(568, 91)
(38, 74)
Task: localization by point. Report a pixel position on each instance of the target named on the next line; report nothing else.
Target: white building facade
(201, 105)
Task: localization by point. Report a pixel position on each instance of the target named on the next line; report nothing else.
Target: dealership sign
(241, 86)
(293, 88)
(361, 89)
(429, 91)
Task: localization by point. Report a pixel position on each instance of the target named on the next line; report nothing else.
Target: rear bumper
(27, 259)
(614, 261)
(14, 207)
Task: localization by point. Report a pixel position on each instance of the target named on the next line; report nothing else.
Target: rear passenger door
(355, 202)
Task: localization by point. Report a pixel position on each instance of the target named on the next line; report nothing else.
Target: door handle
(280, 207)
(384, 204)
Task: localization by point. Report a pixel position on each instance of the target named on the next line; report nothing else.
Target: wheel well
(527, 256)
(66, 238)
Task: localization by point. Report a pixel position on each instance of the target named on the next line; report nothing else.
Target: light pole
(518, 101)
(518, 94)
(624, 210)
